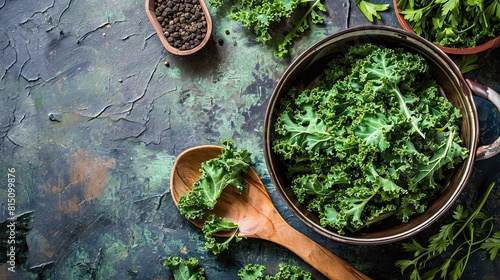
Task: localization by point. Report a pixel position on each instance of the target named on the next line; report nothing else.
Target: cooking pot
(457, 90)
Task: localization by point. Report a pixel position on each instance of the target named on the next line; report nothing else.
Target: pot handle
(486, 151)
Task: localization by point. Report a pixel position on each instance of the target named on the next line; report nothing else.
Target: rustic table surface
(92, 119)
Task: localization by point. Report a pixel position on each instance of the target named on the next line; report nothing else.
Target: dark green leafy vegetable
(294, 272)
(467, 63)
(286, 271)
(214, 225)
(259, 15)
(383, 70)
(217, 173)
(252, 272)
(453, 23)
(373, 140)
(371, 10)
(185, 269)
(300, 27)
(472, 229)
(190, 269)
(492, 245)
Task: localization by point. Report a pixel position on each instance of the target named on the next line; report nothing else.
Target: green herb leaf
(475, 230)
(448, 6)
(467, 63)
(492, 245)
(493, 10)
(371, 10)
(453, 23)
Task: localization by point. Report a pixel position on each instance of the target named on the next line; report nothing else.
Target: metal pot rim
(462, 175)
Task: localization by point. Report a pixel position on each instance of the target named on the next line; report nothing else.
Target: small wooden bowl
(493, 43)
(150, 11)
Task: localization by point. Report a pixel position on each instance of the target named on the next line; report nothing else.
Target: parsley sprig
(467, 63)
(472, 227)
(371, 10)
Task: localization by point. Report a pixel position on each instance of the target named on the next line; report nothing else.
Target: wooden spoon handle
(314, 254)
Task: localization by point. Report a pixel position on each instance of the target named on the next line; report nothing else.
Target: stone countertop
(95, 111)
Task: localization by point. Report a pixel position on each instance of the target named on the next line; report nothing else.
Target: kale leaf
(259, 15)
(217, 173)
(286, 271)
(386, 70)
(185, 269)
(374, 139)
(190, 269)
(213, 225)
(252, 272)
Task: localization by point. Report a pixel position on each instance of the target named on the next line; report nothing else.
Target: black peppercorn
(183, 21)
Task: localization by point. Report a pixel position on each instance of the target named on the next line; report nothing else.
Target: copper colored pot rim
(491, 44)
(456, 87)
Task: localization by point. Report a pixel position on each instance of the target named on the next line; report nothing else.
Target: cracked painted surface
(93, 118)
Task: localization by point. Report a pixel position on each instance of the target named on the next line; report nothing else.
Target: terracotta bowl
(310, 64)
(150, 11)
(493, 43)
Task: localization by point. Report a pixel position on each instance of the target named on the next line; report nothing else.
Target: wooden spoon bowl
(255, 214)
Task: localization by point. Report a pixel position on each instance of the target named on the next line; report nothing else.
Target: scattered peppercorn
(220, 41)
(227, 32)
(54, 117)
(183, 22)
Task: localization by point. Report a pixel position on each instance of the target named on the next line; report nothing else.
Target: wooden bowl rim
(150, 12)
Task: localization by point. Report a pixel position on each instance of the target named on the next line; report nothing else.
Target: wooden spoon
(255, 214)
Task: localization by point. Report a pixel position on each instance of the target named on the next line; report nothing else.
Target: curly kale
(259, 15)
(216, 174)
(286, 271)
(252, 272)
(188, 269)
(214, 225)
(226, 169)
(373, 140)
